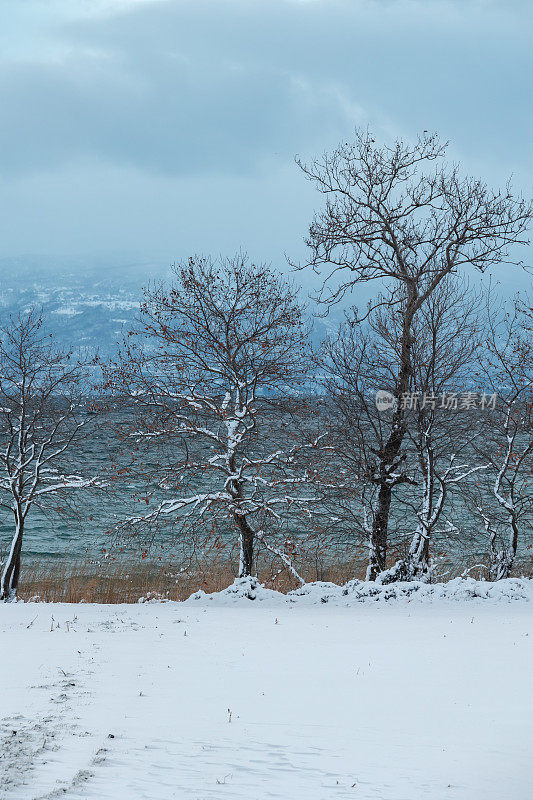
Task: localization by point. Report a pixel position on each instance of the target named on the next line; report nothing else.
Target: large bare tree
(357, 364)
(444, 414)
(401, 216)
(214, 361)
(43, 413)
(360, 362)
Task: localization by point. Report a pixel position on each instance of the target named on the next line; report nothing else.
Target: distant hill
(84, 305)
(89, 304)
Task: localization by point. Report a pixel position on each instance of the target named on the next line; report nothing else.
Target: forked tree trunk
(11, 571)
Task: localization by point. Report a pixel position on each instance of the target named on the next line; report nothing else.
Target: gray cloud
(193, 102)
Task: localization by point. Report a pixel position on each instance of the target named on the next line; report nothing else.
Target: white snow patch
(67, 311)
(354, 592)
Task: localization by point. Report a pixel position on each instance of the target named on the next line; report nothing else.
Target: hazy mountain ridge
(90, 306)
(86, 306)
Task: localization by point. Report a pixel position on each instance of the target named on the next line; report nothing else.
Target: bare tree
(43, 413)
(508, 371)
(400, 216)
(358, 364)
(447, 336)
(212, 365)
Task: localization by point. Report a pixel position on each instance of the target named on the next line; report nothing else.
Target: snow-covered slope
(354, 592)
(91, 304)
(272, 699)
(85, 306)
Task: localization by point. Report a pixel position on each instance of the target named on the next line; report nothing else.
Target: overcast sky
(158, 128)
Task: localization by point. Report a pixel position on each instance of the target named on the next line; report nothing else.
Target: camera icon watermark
(385, 401)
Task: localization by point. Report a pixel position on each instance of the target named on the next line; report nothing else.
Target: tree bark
(513, 545)
(419, 555)
(378, 542)
(246, 534)
(418, 559)
(11, 571)
(391, 450)
(505, 560)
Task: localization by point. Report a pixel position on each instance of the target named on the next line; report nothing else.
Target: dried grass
(126, 582)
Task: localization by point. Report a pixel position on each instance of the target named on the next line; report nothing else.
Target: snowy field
(415, 696)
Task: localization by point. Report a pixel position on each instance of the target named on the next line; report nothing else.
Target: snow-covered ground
(293, 698)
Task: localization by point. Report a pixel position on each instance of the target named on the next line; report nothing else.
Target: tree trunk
(419, 555)
(11, 571)
(378, 538)
(391, 449)
(246, 534)
(418, 560)
(513, 544)
(507, 557)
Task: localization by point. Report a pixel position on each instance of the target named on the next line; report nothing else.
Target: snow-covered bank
(295, 700)
(459, 589)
